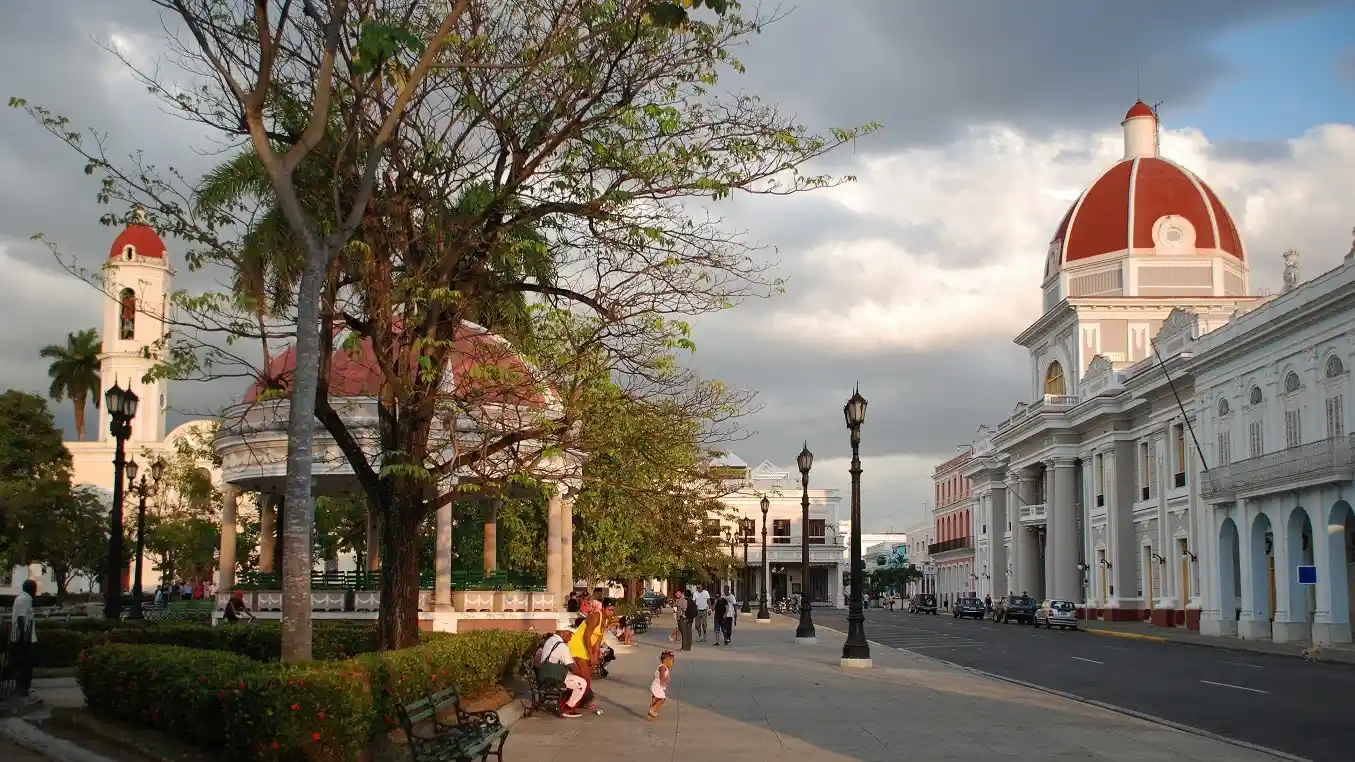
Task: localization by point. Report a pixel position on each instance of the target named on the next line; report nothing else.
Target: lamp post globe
(804, 632)
(763, 615)
(121, 405)
(856, 651)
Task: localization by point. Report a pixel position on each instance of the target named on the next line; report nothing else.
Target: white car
(1056, 613)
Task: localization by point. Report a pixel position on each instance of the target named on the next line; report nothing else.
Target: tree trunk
(79, 405)
(397, 624)
(301, 424)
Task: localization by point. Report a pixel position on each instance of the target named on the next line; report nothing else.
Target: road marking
(1093, 661)
(1240, 664)
(1226, 685)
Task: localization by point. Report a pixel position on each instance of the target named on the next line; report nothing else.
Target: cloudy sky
(913, 280)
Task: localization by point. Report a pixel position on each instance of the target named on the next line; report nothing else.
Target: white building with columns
(1183, 457)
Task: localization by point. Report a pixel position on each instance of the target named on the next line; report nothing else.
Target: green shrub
(59, 648)
(323, 711)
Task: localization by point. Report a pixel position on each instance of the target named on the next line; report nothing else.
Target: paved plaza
(766, 698)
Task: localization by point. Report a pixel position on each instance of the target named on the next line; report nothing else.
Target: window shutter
(1225, 455)
(1292, 436)
(1335, 424)
(1152, 469)
(1256, 446)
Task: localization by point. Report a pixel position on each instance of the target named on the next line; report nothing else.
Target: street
(1281, 703)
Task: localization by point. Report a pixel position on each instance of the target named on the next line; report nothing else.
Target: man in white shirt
(553, 662)
(731, 613)
(23, 633)
(702, 599)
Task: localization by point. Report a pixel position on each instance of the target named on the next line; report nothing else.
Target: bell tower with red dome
(1148, 236)
(136, 309)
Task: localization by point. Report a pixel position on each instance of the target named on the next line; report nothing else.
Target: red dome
(1140, 109)
(484, 368)
(1121, 209)
(143, 241)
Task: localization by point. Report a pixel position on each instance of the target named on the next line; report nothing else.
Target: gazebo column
(229, 503)
(442, 561)
(267, 533)
(492, 536)
(554, 570)
(567, 543)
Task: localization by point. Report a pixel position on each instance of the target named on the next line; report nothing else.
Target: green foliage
(260, 641)
(340, 525)
(324, 710)
(35, 476)
(75, 373)
(74, 538)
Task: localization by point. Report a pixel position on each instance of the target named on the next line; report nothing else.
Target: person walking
(724, 620)
(702, 600)
(687, 612)
(23, 636)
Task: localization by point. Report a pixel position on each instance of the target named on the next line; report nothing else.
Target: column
(1291, 616)
(226, 577)
(373, 540)
(442, 560)
(492, 537)
(553, 541)
(997, 543)
(1331, 617)
(1025, 572)
(267, 533)
(1066, 581)
(1255, 621)
(1050, 555)
(567, 542)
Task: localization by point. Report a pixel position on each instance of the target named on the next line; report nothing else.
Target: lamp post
(121, 406)
(746, 539)
(856, 651)
(142, 490)
(763, 615)
(804, 633)
(729, 538)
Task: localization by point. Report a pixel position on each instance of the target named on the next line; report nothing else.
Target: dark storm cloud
(925, 69)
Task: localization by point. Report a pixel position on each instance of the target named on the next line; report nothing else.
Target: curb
(1212, 646)
(1098, 704)
(27, 736)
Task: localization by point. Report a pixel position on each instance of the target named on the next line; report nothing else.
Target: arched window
(1335, 367)
(1291, 382)
(1223, 407)
(127, 314)
(1255, 398)
(1053, 379)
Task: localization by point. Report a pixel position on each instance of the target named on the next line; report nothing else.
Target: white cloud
(992, 202)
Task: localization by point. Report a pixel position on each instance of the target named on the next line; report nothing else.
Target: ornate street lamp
(121, 406)
(142, 490)
(763, 614)
(746, 538)
(804, 633)
(856, 651)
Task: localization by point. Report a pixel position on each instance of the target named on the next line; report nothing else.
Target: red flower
(322, 715)
(275, 744)
(202, 679)
(295, 707)
(220, 694)
(242, 685)
(315, 736)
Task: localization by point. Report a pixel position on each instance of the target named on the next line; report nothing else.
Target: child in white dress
(658, 690)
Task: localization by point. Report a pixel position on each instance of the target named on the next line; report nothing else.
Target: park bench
(180, 611)
(472, 736)
(542, 693)
(638, 622)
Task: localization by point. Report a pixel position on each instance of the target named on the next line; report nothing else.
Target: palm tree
(75, 373)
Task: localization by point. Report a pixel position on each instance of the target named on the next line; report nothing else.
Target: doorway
(1183, 588)
(1101, 590)
(1146, 559)
(779, 586)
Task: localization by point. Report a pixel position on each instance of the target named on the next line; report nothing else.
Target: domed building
(1182, 436)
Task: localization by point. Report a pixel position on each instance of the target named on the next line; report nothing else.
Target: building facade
(783, 574)
(1183, 438)
(952, 552)
(921, 536)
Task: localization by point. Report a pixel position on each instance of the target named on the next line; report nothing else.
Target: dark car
(653, 601)
(968, 607)
(924, 603)
(1020, 608)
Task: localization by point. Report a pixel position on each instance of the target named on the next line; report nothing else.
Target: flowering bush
(323, 711)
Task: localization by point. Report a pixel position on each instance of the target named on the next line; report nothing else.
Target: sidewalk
(766, 698)
(1336, 654)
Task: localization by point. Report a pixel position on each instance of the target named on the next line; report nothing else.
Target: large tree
(75, 373)
(72, 540)
(456, 129)
(35, 474)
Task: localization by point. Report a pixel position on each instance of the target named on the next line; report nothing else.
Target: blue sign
(1307, 575)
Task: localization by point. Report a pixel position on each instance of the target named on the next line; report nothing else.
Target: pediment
(768, 471)
(1178, 321)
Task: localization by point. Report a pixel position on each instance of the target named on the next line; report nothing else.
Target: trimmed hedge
(317, 712)
(261, 641)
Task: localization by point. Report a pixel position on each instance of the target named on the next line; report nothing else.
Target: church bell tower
(136, 312)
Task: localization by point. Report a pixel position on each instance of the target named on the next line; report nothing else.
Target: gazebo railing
(462, 579)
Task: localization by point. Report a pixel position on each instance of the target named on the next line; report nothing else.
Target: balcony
(1323, 462)
(959, 543)
(1033, 515)
(1050, 403)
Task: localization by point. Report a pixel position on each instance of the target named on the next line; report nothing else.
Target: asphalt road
(1281, 703)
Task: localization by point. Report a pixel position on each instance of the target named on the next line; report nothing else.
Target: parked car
(653, 601)
(968, 607)
(1056, 613)
(1020, 608)
(923, 603)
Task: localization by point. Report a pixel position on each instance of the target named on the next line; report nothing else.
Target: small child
(658, 690)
